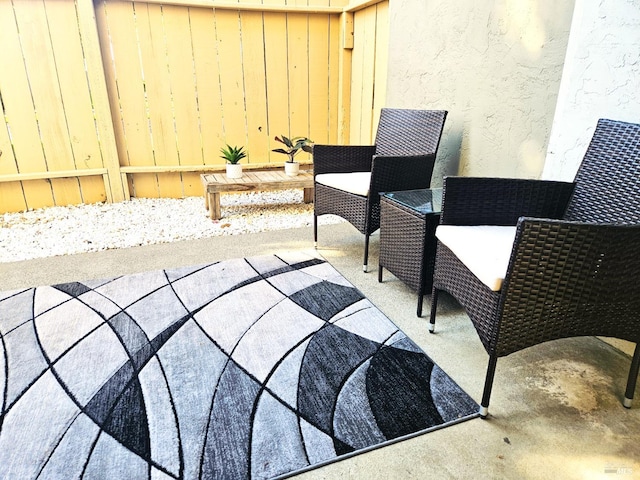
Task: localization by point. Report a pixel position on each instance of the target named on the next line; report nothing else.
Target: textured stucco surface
(495, 66)
(601, 79)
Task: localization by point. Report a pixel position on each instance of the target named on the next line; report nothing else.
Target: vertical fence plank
(336, 52)
(368, 68)
(357, 80)
(182, 78)
(363, 68)
(298, 50)
(19, 111)
(11, 194)
(155, 72)
(129, 88)
(12, 197)
(45, 91)
(254, 82)
(319, 79)
(275, 45)
(231, 85)
(381, 62)
(191, 184)
(7, 159)
(155, 67)
(183, 88)
(113, 96)
(88, 21)
(75, 95)
(207, 83)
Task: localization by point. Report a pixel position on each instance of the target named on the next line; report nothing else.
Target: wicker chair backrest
(608, 180)
(409, 132)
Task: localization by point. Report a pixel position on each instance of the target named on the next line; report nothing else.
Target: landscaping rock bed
(90, 228)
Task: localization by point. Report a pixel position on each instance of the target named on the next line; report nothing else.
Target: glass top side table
(424, 201)
(408, 221)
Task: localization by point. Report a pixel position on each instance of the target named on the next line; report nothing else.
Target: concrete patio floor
(555, 412)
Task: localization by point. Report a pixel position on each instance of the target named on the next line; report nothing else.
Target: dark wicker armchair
(348, 179)
(572, 263)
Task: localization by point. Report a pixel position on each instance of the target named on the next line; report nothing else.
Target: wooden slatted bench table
(216, 183)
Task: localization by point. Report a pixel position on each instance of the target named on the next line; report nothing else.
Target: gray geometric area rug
(248, 368)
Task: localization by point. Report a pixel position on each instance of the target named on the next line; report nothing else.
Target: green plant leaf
(232, 154)
(293, 146)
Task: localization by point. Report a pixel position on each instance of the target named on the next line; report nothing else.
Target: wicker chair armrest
(395, 173)
(570, 278)
(502, 201)
(342, 158)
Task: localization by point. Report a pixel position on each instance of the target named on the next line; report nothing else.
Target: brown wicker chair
(401, 159)
(578, 276)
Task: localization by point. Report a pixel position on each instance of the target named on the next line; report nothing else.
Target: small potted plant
(233, 155)
(293, 146)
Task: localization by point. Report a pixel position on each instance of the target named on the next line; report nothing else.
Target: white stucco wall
(601, 79)
(494, 65)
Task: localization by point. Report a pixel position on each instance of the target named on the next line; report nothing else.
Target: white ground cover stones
(89, 228)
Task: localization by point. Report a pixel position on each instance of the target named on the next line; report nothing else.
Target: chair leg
(315, 230)
(366, 253)
(420, 300)
(633, 377)
(379, 273)
(434, 305)
(488, 384)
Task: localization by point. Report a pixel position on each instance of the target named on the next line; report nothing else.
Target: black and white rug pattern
(247, 368)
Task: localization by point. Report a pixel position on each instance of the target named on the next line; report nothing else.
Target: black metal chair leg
(366, 253)
(315, 231)
(633, 377)
(420, 301)
(379, 273)
(434, 305)
(488, 384)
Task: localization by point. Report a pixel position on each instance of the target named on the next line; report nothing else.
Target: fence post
(115, 189)
(344, 93)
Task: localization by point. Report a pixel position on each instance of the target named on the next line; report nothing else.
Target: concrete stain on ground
(574, 384)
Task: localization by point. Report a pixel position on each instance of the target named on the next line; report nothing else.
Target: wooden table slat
(216, 183)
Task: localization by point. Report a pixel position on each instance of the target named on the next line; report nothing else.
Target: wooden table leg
(206, 194)
(308, 195)
(214, 206)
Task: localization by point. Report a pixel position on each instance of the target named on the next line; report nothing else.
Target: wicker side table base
(407, 246)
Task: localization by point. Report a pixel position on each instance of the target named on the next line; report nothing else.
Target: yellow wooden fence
(110, 99)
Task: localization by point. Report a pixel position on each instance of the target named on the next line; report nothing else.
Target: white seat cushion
(484, 249)
(352, 182)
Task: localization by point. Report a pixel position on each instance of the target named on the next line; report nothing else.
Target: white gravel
(90, 228)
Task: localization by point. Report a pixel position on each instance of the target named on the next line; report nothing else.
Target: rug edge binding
(377, 446)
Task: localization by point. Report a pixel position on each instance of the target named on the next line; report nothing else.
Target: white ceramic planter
(291, 168)
(234, 170)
